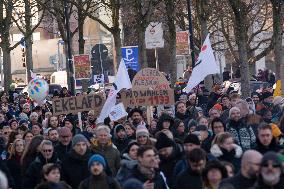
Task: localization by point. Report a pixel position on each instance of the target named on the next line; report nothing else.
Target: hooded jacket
(127, 164)
(243, 134)
(163, 118)
(62, 150)
(120, 143)
(33, 174)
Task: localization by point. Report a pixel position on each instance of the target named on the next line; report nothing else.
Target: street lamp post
(190, 28)
(69, 52)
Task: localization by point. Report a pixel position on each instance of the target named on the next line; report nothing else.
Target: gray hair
(33, 114)
(3, 181)
(46, 142)
(103, 128)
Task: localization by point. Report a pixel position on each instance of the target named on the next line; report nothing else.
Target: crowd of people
(211, 141)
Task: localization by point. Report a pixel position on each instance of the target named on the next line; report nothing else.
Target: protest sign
(154, 36)
(82, 66)
(149, 88)
(117, 112)
(77, 104)
(149, 78)
(182, 45)
(148, 97)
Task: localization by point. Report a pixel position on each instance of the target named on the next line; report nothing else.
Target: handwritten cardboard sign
(148, 97)
(149, 79)
(182, 47)
(77, 104)
(117, 112)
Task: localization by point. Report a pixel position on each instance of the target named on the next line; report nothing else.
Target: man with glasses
(270, 172)
(32, 176)
(191, 177)
(248, 174)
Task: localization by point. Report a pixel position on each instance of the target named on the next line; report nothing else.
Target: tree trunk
(29, 57)
(142, 47)
(241, 31)
(203, 16)
(81, 41)
(7, 68)
(29, 40)
(172, 40)
(117, 46)
(277, 33)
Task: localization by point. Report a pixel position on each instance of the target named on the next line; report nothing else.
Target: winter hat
(266, 95)
(142, 131)
(23, 116)
(218, 107)
(270, 156)
(64, 132)
(233, 109)
(97, 158)
(191, 138)
(78, 138)
(132, 184)
(276, 132)
(278, 100)
(23, 121)
(163, 141)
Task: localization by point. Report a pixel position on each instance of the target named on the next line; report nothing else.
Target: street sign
(130, 57)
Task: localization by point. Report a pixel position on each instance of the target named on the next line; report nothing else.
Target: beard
(271, 178)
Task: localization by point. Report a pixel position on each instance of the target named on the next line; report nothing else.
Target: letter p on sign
(129, 53)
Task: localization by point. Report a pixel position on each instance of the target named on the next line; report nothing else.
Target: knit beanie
(78, 138)
(142, 131)
(64, 132)
(118, 127)
(270, 156)
(96, 158)
(191, 138)
(164, 141)
(133, 184)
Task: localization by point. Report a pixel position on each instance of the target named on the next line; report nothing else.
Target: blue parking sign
(130, 57)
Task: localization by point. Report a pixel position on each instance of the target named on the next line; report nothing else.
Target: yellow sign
(278, 90)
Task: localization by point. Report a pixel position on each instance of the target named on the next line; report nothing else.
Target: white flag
(33, 75)
(122, 81)
(205, 65)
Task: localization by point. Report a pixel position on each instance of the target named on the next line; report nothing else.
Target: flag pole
(190, 29)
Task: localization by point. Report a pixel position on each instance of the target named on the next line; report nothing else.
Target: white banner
(154, 36)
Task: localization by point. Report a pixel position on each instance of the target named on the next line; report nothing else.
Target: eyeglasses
(47, 150)
(274, 165)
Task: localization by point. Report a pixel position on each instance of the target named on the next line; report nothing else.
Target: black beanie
(191, 138)
(164, 141)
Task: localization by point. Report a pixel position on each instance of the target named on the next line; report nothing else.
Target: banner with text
(77, 104)
(82, 66)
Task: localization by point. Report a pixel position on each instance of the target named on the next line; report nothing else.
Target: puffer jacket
(243, 134)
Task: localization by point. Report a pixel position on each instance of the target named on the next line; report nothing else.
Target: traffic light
(24, 57)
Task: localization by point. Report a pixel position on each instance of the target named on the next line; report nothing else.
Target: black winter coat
(6, 171)
(102, 182)
(33, 174)
(121, 144)
(272, 147)
(14, 165)
(158, 180)
(261, 185)
(188, 180)
(61, 150)
(75, 168)
(237, 182)
(167, 165)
